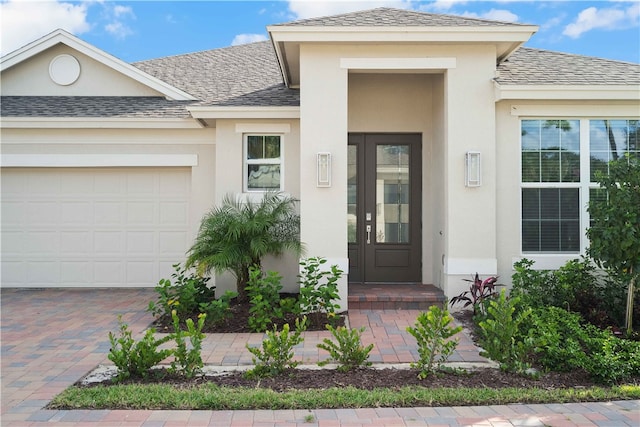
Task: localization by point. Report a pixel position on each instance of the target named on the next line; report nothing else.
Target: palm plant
(238, 234)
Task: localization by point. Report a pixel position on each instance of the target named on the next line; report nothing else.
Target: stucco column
(323, 128)
(470, 216)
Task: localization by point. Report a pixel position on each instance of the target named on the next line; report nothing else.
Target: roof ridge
(395, 9)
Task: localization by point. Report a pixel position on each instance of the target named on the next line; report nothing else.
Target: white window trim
(246, 162)
(557, 259)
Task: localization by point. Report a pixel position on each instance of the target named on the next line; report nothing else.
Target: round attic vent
(64, 70)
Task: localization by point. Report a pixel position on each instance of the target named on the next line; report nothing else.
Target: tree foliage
(238, 234)
(615, 230)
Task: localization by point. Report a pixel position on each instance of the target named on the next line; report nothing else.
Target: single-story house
(423, 148)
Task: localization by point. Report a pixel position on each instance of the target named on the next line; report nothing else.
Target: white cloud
(25, 21)
(248, 38)
(607, 19)
(302, 9)
(118, 29)
(121, 11)
(442, 5)
(494, 15)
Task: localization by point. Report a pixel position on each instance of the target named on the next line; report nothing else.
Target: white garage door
(93, 227)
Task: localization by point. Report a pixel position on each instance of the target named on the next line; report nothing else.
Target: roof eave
(286, 38)
(244, 112)
(98, 123)
(629, 92)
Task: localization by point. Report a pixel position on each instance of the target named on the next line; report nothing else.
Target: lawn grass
(212, 397)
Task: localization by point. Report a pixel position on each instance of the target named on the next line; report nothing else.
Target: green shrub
(136, 358)
(348, 351)
(614, 360)
(576, 286)
(184, 295)
(432, 332)
(501, 339)
(318, 288)
(218, 310)
(558, 339)
(189, 360)
(276, 355)
(264, 297)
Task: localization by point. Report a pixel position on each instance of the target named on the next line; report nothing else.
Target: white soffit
(61, 36)
(98, 160)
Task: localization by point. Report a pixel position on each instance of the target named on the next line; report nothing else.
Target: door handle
(368, 234)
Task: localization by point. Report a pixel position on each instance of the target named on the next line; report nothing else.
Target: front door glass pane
(392, 194)
(352, 191)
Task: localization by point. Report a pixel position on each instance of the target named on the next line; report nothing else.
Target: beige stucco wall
(463, 119)
(31, 78)
(508, 171)
(230, 175)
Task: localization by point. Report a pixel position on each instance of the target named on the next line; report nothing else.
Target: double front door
(384, 208)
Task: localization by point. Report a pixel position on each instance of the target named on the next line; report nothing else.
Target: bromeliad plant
(479, 292)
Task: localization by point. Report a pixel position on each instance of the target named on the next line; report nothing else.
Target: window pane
(263, 177)
(549, 203)
(550, 219)
(550, 166)
(530, 203)
(352, 193)
(598, 162)
(392, 176)
(254, 147)
(530, 236)
(530, 135)
(271, 147)
(556, 156)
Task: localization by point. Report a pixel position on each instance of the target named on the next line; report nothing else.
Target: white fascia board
(61, 36)
(245, 112)
(580, 110)
(398, 63)
(401, 34)
(97, 160)
(96, 123)
(566, 92)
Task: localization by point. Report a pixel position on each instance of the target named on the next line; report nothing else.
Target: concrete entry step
(394, 296)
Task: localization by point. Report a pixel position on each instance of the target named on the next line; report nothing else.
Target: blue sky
(138, 30)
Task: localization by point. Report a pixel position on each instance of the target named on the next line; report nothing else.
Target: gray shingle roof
(234, 76)
(529, 66)
(390, 17)
(92, 106)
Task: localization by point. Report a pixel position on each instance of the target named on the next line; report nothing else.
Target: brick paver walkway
(51, 338)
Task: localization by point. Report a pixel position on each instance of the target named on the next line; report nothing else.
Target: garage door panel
(141, 212)
(73, 242)
(108, 242)
(93, 227)
(174, 213)
(41, 242)
(42, 213)
(76, 272)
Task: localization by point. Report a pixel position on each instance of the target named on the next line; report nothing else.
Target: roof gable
(61, 37)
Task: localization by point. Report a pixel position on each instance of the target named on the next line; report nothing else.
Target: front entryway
(384, 208)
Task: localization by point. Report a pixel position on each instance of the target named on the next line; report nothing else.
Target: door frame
(361, 255)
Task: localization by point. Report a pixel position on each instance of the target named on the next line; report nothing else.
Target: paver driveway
(51, 338)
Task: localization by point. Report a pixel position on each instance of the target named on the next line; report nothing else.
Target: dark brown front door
(384, 208)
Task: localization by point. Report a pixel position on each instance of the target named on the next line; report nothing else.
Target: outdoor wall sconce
(324, 170)
(472, 170)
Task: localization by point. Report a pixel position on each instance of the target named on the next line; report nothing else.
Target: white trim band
(398, 63)
(97, 160)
